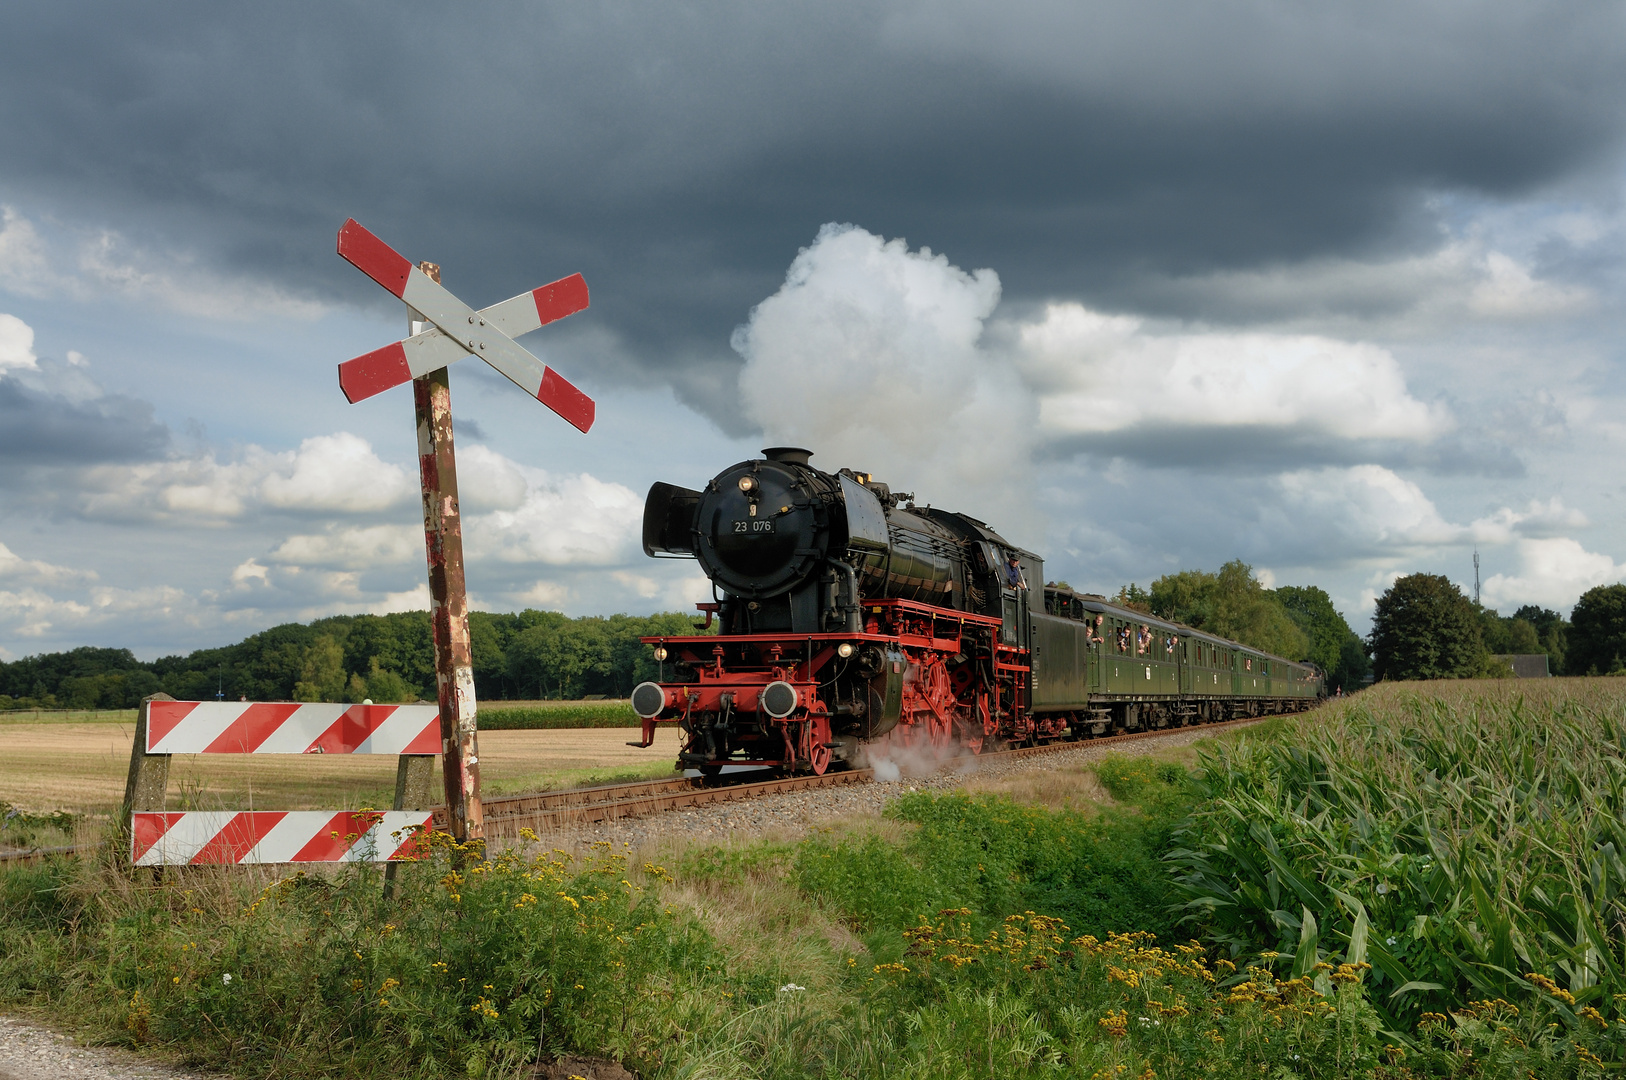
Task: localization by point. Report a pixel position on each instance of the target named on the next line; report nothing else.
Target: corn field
(1467, 839)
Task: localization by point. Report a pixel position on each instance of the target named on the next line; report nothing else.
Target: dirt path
(31, 1052)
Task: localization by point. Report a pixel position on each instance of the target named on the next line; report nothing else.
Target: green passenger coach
(1099, 667)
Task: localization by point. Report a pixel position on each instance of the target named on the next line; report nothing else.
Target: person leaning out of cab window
(1013, 573)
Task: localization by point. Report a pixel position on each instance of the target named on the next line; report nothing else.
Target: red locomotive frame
(959, 686)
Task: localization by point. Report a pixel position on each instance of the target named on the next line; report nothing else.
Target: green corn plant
(1460, 840)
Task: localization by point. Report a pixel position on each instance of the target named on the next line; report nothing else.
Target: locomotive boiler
(852, 623)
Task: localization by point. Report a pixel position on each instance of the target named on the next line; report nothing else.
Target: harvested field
(81, 767)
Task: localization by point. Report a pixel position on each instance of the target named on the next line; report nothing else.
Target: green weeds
(468, 971)
(1403, 887)
(21, 830)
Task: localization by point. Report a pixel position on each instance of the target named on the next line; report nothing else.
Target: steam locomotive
(854, 626)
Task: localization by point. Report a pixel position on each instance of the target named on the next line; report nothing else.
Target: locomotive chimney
(790, 455)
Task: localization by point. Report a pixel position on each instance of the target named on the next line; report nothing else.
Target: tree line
(1295, 621)
(383, 658)
(1425, 627)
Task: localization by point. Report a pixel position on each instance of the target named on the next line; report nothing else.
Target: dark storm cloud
(1259, 449)
(679, 155)
(42, 428)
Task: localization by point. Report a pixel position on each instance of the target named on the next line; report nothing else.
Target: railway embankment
(1412, 882)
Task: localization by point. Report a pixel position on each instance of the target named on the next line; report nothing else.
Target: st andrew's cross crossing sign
(460, 330)
(422, 359)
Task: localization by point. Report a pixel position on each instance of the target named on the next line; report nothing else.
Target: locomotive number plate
(754, 526)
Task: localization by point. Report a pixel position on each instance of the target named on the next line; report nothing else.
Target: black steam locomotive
(854, 625)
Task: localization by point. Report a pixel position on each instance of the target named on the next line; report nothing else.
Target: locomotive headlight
(844, 650)
(748, 484)
(660, 652)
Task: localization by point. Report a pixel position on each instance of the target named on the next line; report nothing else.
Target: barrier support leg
(414, 790)
(148, 780)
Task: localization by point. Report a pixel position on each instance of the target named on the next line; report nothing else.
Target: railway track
(505, 817)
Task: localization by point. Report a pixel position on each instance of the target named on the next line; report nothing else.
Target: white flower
(1391, 941)
(226, 979)
(790, 988)
(1383, 887)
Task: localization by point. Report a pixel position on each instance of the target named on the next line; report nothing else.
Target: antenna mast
(1476, 576)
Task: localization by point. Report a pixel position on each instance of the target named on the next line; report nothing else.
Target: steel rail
(614, 802)
(505, 817)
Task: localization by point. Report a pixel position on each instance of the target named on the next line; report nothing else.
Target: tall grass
(1098, 873)
(1466, 839)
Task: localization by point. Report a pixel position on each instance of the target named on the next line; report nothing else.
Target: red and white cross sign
(459, 330)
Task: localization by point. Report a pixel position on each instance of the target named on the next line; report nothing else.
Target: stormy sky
(1147, 286)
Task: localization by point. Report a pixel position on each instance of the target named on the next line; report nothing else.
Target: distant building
(1526, 665)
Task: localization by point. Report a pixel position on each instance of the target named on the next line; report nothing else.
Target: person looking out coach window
(1013, 573)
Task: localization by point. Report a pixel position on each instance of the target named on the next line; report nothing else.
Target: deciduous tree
(1597, 637)
(1425, 628)
(1233, 604)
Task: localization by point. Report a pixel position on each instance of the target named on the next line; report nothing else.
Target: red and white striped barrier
(203, 837)
(260, 727)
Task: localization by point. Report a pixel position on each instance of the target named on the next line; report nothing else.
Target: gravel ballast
(792, 814)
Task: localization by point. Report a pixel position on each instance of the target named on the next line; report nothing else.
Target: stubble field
(79, 765)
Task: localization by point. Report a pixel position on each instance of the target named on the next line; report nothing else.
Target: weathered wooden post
(448, 595)
(443, 329)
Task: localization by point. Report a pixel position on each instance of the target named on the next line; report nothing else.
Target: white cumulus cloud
(16, 345)
(14, 567)
(350, 548)
(1371, 508)
(85, 263)
(1553, 572)
(339, 474)
(1101, 373)
(575, 520)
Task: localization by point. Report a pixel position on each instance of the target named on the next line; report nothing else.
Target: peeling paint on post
(448, 598)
